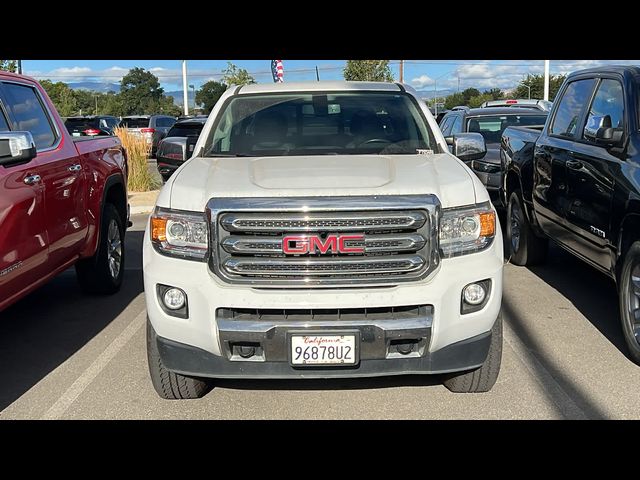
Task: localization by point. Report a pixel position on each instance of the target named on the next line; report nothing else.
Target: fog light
(174, 299)
(474, 294)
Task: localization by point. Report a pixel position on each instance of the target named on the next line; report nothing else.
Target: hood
(202, 178)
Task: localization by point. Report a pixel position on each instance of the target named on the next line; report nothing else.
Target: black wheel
(170, 385)
(629, 294)
(525, 247)
(481, 379)
(103, 273)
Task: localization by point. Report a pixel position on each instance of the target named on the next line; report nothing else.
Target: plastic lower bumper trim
(192, 361)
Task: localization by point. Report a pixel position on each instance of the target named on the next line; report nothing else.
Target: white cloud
(71, 71)
(422, 81)
(158, 69)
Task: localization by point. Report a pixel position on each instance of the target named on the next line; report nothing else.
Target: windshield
(491, 127)
(319, 124)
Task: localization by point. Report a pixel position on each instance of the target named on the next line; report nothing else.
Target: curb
(138, 209)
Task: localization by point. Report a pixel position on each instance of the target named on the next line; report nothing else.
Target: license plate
(76, 134)
(323, 350)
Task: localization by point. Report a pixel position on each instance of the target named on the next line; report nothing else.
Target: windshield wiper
(229, 155)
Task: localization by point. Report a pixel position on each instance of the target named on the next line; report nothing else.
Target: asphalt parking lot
(64, 355)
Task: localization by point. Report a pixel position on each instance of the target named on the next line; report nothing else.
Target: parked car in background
(152, 127)
(91, 125)
(543, 105)
(63, 199)
(490, 122)
(577, 182)
(178, 145)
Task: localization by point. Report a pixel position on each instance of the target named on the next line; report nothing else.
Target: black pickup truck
(577, 182)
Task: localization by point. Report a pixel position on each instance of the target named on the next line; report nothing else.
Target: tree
(536, 82)
(469, 93)
(62, 97)
(454, 100)
(475, 102)
(141, 93)
(232, 75)
(368, 70)
(8, 65)
(494, 93)
(209, 94)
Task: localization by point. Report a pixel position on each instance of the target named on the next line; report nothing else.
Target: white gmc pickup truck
(323, 230)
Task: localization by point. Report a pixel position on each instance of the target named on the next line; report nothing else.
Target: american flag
(277, 70)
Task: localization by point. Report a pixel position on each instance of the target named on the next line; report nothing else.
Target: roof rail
(461, 107)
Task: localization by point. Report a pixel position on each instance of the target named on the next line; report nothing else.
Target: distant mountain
(102, 87)
(429, 93)
(177, 97)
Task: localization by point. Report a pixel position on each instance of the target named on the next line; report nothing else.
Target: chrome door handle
(75, 168)
(32, 179)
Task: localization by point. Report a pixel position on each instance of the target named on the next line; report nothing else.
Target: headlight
(179, 233)
(466, 230)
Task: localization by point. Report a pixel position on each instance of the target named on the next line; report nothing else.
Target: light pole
(528, 87)
(194, 95)
(435, 90)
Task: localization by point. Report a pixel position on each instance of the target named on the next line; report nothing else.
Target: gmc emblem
(314, 244)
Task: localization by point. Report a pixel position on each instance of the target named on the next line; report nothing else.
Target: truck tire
(481, 379)
(170, 385)
(103, 273)
(629, 296)
(525, 247)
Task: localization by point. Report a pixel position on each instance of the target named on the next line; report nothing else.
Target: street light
(194, 95)
(528, 87)
(435, 90)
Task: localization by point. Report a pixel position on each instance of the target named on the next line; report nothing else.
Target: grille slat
(329, 266)
(317, 222)
(377, 243)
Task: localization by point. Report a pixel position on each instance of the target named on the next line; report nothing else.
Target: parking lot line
(75, 390)
(563, 401)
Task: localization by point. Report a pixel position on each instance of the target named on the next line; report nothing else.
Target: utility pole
(20, 67)
(96, 97)
(185, 96)
(546, 80)
(458, 83)
(401, 71)
(317, 74)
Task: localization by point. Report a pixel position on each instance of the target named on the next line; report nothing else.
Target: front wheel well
(116, 196)
(629, 233)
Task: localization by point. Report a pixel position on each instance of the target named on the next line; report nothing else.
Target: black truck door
(590, 176)
(552, 152)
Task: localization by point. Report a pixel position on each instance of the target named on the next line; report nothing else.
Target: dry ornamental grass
(140, 179)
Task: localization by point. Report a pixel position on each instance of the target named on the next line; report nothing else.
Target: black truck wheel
(525, 247)
(629, 295)
(481, 379)
(103, 273)
(170, 385)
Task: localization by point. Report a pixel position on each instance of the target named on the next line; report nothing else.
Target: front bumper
(192, 361)
(446, 340)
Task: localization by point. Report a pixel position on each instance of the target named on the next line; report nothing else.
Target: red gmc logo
(314, 244)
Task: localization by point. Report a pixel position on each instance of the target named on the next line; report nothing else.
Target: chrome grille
(399, 240)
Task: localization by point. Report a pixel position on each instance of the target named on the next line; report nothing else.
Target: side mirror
(600, 131)
(16, 147)
(467, 146)
(174, 148)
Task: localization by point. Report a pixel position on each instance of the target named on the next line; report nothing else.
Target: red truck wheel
(103, 273)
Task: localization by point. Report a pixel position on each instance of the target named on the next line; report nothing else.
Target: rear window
(186, 130)
(79, 124)
(491, 127)
(134, 122)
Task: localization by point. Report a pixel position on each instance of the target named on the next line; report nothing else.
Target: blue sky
(422, 74)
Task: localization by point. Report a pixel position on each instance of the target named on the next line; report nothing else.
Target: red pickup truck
(63, 200)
